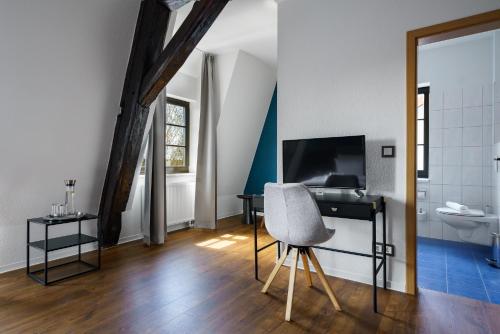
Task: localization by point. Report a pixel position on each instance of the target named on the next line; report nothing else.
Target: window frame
(185, 105)
(424, 174)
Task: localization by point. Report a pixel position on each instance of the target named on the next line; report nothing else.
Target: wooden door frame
(442, 31)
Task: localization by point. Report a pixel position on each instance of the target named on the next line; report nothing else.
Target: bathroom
(458, 139)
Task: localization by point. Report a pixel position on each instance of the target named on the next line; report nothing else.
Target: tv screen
(336, 162)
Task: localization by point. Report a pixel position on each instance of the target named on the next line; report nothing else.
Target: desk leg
(384, 242)
(374, 260)
(28, 247)
(99, 238)
(79, 240)
(247, 211)
(256, 260)
(46, 260)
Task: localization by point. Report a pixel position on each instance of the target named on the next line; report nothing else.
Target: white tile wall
(452, 156)
(452, 98)
(452, 175)
(473, 136)
(436, 229)
(472, 156)
(436, 193)
(487, 95)
(452, 193)
(472, 176)
(449, 233)
(436, 175)
(436, 99)
(453, 137)
(461, 169)
(452, 118)
(487, 135)
(487, 115)
(435, 156)
(435, 137)
(472, 116)
(472, 195)
(472, 96)
(435, 119)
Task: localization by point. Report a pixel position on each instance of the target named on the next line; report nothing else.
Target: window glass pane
(175, 135)
(420, 132)
(175, 156)
(176, 114)
(420, 157)
(420, 106)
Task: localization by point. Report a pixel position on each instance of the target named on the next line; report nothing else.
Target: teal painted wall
(264, 166)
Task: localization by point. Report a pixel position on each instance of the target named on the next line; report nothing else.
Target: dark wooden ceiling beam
(174, 4)
(192, 30)
(149, 39)
(149, 69)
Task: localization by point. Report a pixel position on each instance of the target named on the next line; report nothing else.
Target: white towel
(457, 206)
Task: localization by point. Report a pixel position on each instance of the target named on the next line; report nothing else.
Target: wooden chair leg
(323, 280)
(291, 284)
(307, 272)
(275, 270)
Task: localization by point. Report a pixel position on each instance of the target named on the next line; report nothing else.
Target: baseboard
(60, 254)
(178, 226)
(354, 276)
(230, 214)
(130, 238)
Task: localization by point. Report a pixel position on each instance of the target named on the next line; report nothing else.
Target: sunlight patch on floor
(207, 242)
(221, 244)
(218, 243)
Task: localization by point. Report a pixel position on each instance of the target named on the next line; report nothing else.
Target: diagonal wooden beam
(149, 38)
(194, 27)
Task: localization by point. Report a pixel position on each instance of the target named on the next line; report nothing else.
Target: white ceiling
(247, 25)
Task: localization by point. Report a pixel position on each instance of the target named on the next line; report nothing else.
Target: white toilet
(471, 227)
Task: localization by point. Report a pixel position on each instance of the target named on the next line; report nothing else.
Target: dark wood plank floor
(183, 287)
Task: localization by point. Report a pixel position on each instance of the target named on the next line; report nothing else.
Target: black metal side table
(52, 244)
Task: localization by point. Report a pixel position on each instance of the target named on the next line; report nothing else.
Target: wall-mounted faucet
(496, 162)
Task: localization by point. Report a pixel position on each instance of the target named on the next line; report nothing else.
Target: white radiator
(180, 201)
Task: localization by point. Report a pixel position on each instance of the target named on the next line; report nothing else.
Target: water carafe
(70, 196)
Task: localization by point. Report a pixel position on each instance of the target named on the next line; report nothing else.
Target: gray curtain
(154, 220)
(205, 209)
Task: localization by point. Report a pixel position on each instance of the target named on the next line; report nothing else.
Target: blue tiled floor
(457, 268)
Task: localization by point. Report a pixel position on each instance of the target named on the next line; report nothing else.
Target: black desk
(333, 205)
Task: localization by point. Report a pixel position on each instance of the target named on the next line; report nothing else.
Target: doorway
(415, 39)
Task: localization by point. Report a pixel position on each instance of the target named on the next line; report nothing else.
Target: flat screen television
(335, 162)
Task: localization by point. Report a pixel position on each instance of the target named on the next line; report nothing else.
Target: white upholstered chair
(292, 216)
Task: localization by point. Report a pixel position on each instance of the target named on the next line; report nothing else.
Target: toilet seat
(468, 213)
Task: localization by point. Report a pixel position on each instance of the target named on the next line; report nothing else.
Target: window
(177, 136)
(423, 132)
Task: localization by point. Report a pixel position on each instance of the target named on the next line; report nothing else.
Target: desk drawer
(354, 211)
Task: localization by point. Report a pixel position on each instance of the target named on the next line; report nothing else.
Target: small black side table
(48, 245)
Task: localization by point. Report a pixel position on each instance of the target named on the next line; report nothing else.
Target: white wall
(245, 99)
(63, 65)
(460, 74)
(342, 71)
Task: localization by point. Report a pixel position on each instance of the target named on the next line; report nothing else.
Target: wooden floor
(183, 287)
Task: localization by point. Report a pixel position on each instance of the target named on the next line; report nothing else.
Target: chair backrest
(292, 215)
